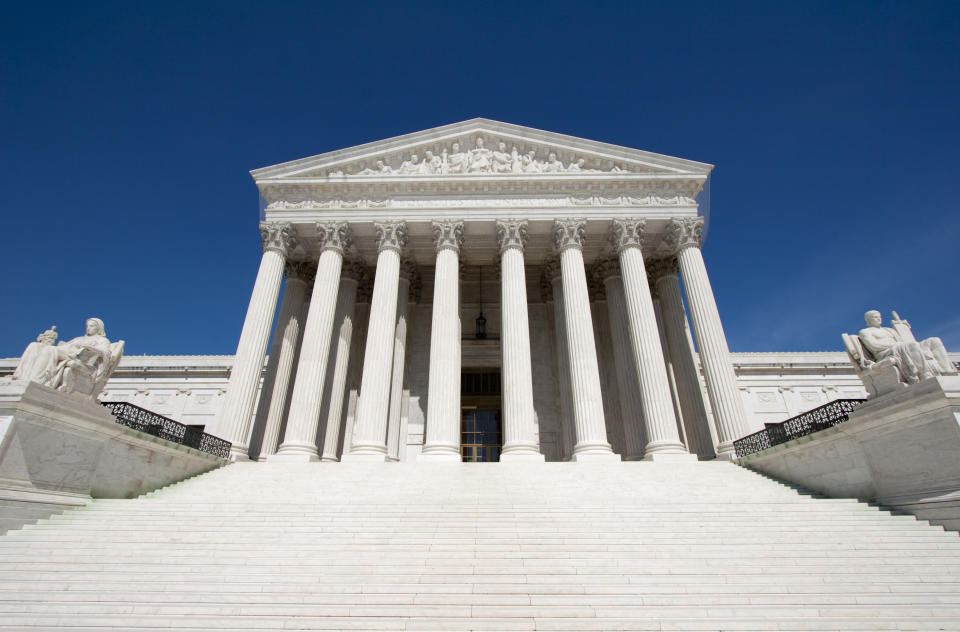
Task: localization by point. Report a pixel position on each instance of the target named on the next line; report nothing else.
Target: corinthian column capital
(448, 235)
(685, 233)
(354, 269)
(334, 236)
(569, 233)
(511, 234)
(626, 233)
(408, 269)
(277, 236)
(391, 236)
(551, 268)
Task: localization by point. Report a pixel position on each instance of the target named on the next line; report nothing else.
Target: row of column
(642, 373)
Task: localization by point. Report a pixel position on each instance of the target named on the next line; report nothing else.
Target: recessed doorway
(481, 425)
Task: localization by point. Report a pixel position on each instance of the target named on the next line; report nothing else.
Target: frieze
(497, 158)
(533, 202)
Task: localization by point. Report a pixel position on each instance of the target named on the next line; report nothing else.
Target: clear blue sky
(127, 131)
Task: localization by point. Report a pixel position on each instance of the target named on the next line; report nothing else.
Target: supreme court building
(482, 291)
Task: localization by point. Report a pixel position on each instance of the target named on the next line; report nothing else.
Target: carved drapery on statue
(82, 365)
(889, 358)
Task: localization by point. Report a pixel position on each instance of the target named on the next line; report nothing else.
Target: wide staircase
(556, 546)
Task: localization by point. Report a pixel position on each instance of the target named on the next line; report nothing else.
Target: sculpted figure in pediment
(530, 163)
(455, 161)
(553, 164)
(410, 166)
(480, 159)
(379, 169)
(430, 164)
(502, 161)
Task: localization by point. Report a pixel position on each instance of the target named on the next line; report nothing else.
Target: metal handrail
(819, 418)
(144, 420)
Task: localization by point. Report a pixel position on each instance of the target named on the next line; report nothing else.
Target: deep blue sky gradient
(127, 131)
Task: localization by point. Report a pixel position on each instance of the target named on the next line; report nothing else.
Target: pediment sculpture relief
(82, 365)
(500, 160)
(889, 358)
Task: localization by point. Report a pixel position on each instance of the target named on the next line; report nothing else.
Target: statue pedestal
(899, 449)
(62, 449)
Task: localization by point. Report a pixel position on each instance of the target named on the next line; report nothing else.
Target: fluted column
(233, 423)
(631, 408)
(588, 417)
(519, 427)
(300, 436)
(353, 272)
(667, 286)
(685, 235)
(442, 442)
(408, 275)
(283, 352)
(370, 428)
(551, 273)
(661, 424)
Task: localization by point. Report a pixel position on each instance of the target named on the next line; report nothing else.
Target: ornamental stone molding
(626, 233)
(665, 196)
(685, 233)
(607, 268)
(334, 236)
(569, 233)
(511, 234)
(391, 235)
(277, 236)
(448, 235)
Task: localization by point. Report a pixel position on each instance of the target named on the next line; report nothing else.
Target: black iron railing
(819, 418)
(159, 426)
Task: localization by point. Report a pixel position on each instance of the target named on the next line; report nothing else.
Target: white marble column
(663, 439)
(233, 423)
(552, 276)
(631, 408)
(694, 414)
(353, 272)
(585, 392)
(300, 436)
(283, 351)
(685, 235)
(369, 441)
(519, 425)
(408, 277)
(442, 441)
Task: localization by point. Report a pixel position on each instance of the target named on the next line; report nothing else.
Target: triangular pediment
(479, 148)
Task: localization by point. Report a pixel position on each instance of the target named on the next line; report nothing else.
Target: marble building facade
(551, 283)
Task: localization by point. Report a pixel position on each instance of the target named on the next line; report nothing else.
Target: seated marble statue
(81, 365)
(895, 351)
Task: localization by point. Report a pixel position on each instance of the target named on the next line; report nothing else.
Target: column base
(293, 457)
(529, 457)
(329, 459)
(671, 457)
(364, 457)
(239, 453)
(595, 457)
(440, 455)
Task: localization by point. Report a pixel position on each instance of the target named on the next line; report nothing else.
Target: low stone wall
(60, 450)
(901, 450)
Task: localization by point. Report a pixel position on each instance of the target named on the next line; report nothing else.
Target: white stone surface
(300, 434)
(519, 426)
(238, 406)
(344, 326)
(442, 436)
(509, 546)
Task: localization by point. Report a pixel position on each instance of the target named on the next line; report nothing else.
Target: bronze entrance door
(481, 426)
